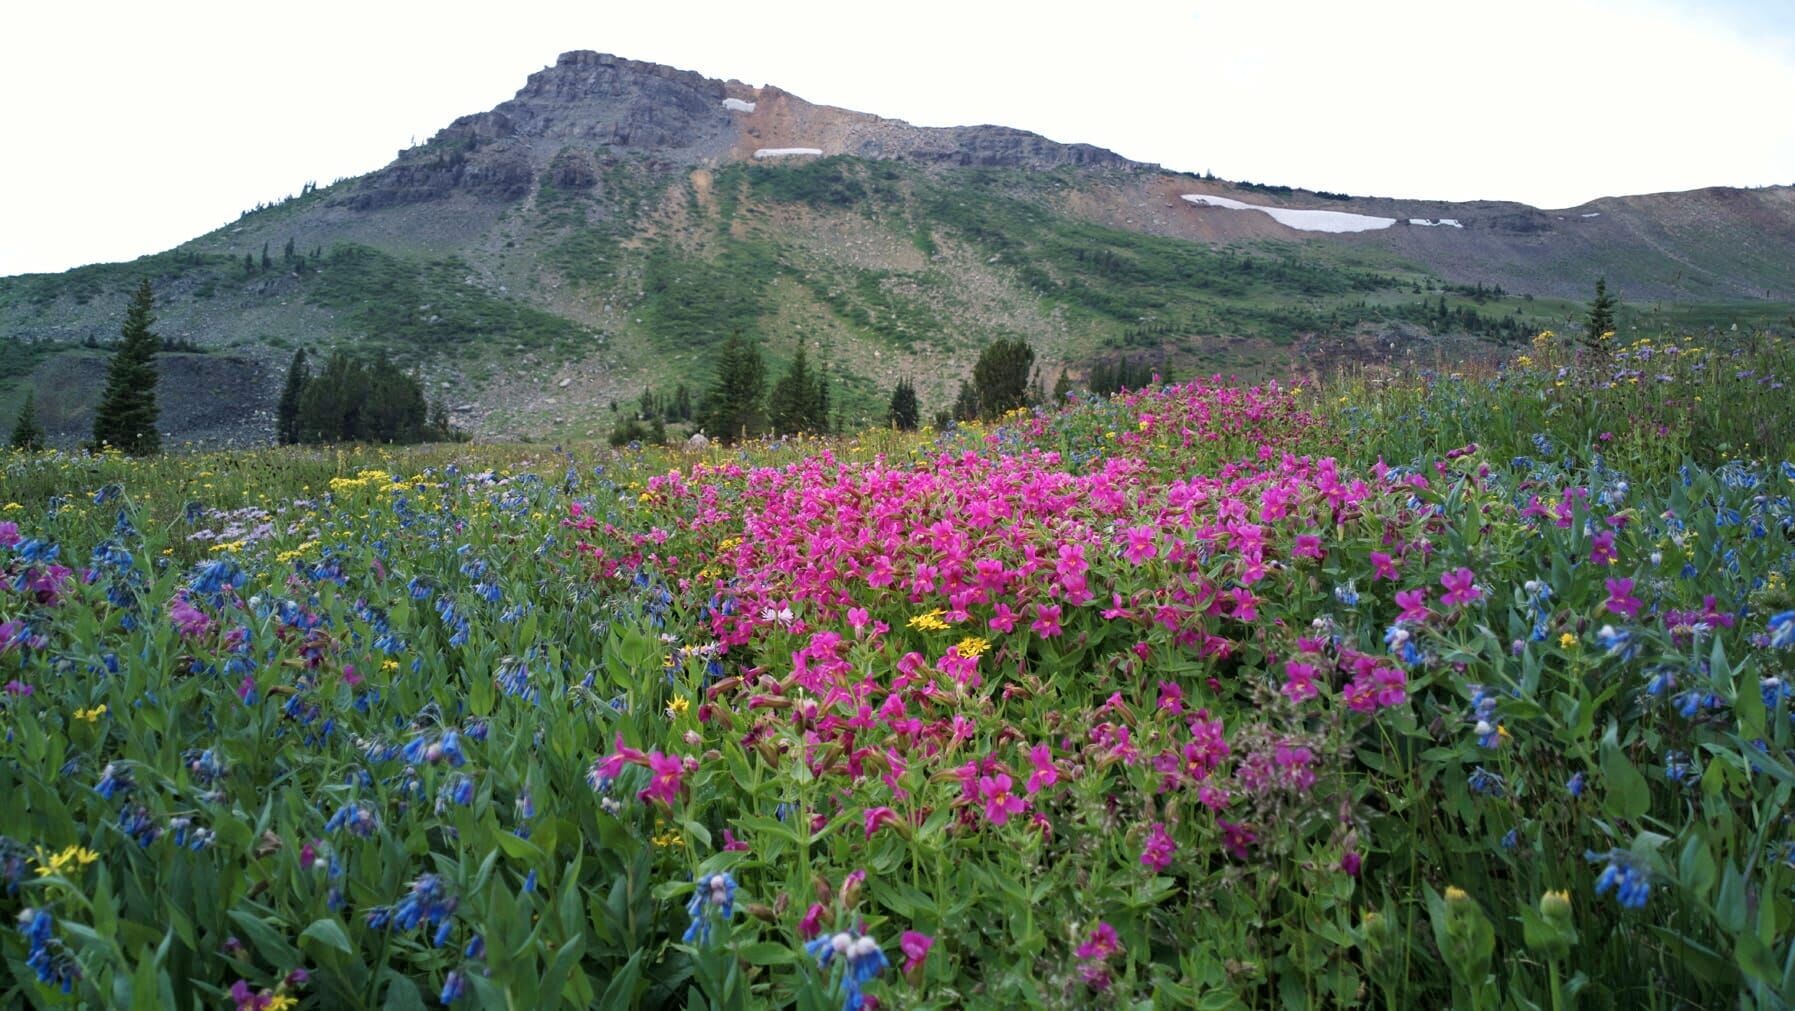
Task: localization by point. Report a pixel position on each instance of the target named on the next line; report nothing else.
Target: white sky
(132, 126)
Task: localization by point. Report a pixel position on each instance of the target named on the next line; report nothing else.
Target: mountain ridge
(598, 232)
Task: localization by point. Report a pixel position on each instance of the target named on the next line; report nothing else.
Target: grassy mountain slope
(603, 232)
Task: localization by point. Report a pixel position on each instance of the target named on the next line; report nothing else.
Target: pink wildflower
(1000, 803)
(665, 785)
(1460, 587)
(1158, 852)
(1046, 773)
(1383, 566)
(1621, 600)
(1047, 620)
(916, 948)
(1413, 604)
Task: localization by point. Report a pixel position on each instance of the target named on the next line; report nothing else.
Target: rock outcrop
(590, 106)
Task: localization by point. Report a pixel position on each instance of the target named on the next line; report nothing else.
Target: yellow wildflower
(11, 506)
(1567, 640)
(930, 622)
(91, 715)
(678, 707)
(972, 646)
(56, 863)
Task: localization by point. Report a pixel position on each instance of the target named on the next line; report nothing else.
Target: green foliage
(905, 410)
(127, 414)
(1000, 377)
(354, 401)
(1598, 324)
(27, 434)
(836, 181)
(800, 399)
(1126, 372)
(418, 308)
(694, 301)
(286, 413)
(734, 409)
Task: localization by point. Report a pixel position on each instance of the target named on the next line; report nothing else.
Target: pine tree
(27, 434)
(127, 415)
(1000, 377)
(733, 409)
(1598, 327)
(904, 410)
(1061, 387)
(286, 423)
(966, 403)
(793, 406)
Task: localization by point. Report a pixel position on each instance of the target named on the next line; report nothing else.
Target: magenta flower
(664, 787)
(1460, 587)
(189, 620)
(1101, 944)
(1308, 546)
(1236, 838)
(1299, 681)
(1046, 772)
(1601, 548)
(916, 948)
(1000, 803)
(1005, 621)
(1413, 604)
(812, 923)
(9, 535)
(1621, 600)
(1047, 620)
(1383, 566)
(18, 688)
(1351, 862)
(1138, 544)
(877, 817)
(1160, 848)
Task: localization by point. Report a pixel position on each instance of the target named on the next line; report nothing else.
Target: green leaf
(556, 977)
(329, 933)
(621, 994)
(767, 953)
(1626, 794)
(402, 994)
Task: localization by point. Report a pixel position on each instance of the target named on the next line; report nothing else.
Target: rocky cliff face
(594, 105)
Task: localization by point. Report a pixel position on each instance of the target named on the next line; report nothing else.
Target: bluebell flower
(1632, 883)
(1485, 782)
(530, 881)
(716, 893)
(114, 779)
(1575, 785)
(1782, 630)
(454, 986)
(476, 948)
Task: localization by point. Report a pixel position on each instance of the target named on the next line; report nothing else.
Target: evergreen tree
(1000, 378)
(1061, 387)
(1598, 327)
(905, 409)
(27, 434)
(127, 415)
(794, 404)
(733, 408)
(286, 424)
(966, 403)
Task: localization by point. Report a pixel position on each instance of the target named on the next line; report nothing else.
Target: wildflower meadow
(1441, 690)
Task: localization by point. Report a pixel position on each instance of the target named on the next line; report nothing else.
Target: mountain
(545, 263)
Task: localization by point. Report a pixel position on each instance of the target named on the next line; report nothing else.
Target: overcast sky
(132, 126)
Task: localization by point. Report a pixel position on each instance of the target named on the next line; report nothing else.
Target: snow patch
(1307, 221)
(1591, 214)
(786, 152)
(737, 105)
(1436, 222)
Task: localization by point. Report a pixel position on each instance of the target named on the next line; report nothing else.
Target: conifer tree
(733, 409)
(1598, 327)
(287, 413)
(798, 403)
(1000, 378)
(966, 403)
(127, 415)
(27, 434)
(904, 410)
